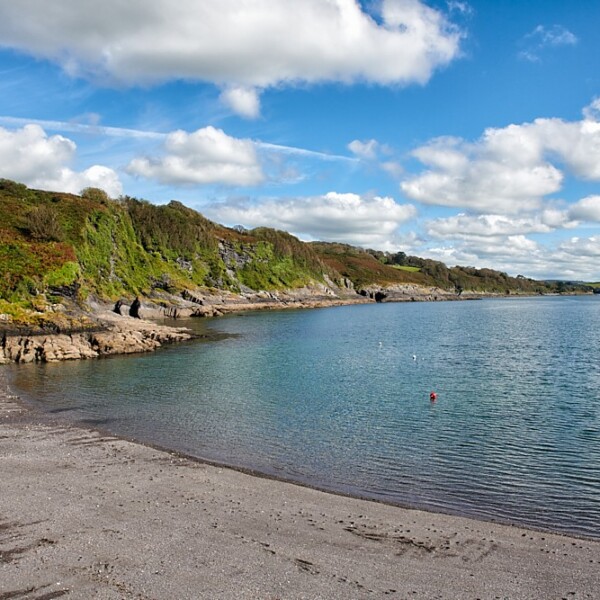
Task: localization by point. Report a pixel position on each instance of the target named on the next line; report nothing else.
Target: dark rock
(66, 291)
(134, 309)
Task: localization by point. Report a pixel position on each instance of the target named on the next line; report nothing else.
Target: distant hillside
(55, 246)
(373, 267)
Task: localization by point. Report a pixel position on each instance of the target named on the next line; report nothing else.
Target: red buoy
(433, 396)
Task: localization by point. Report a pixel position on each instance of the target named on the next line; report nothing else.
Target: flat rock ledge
(122, 335)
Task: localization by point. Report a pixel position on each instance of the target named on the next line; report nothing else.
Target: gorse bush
(95, 194)
(44, 224)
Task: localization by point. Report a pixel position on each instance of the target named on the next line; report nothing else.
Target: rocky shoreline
(127, 337)
(109, 329)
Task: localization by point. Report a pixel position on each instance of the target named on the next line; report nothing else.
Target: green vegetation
(62, 245)
(364, 268)
(373, 267)
(57, 246)
(407, 268)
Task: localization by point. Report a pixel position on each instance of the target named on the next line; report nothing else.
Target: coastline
(107, 332)
(101, 331)
(85, 515)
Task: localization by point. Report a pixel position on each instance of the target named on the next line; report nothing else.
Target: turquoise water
(339, 398)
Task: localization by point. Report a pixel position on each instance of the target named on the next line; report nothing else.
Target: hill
(372, 268)
(62, 249)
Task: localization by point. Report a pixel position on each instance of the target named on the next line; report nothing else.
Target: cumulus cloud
(516, 253)
(583, 248)
(508, 170)
(241, 43)
(476, 177)
(243, 101)
(206, 156)
(587, 209)
(28, 155)
(543, 37)
(350, 218)
(463, 226)
(592, 111)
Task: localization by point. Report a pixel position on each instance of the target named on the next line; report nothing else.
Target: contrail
(100, 130)
(73, 127)
(304, 152)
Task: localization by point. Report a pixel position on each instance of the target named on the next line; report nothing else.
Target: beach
(86, 515)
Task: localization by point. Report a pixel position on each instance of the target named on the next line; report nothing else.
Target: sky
(466, 132)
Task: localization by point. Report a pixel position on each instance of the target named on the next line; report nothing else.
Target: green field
(406, 268)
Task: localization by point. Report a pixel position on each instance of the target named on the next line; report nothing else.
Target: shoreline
(110, 333)
(35, 415)
(89, 515)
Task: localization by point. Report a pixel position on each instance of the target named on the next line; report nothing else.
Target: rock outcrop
(408, 293)
(125, 336)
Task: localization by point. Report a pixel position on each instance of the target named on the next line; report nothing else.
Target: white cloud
(205, 156)
(587, 209)
(556, 218)
(368, 221)
(243, 101)
(393, 168)
(470, 179)
(247, 43)
(463, 226)
(508, 170)
(583, 248)
(575, 258)
(513, 253)
(373, 153)
(577, 144)
(461, 7)
(366, 150)
(28, 155)
(592, 111)
(543, 37)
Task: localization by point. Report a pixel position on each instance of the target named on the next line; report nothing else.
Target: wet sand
(83, 515)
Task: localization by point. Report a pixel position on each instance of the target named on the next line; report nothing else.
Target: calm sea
(339, 398)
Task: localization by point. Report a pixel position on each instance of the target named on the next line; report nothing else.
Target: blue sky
(467, 132)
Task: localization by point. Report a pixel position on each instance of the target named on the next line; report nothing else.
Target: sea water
(339, 398)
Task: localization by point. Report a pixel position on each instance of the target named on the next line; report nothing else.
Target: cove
(338, 398)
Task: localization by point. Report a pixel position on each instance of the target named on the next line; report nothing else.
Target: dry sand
(84, 515)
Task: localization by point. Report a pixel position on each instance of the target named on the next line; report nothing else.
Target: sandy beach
(84, 515)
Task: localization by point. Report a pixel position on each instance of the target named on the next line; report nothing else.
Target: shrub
(95, 194)
(43, 224)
